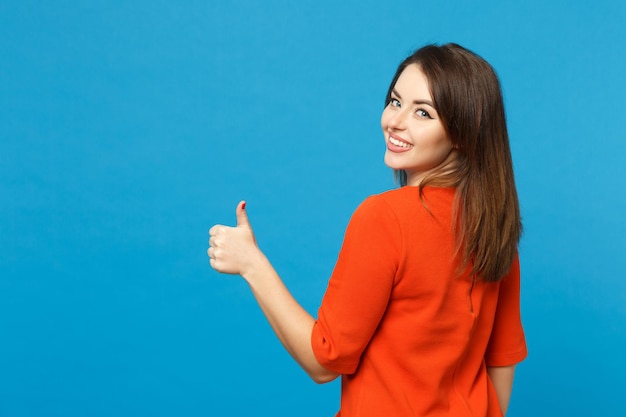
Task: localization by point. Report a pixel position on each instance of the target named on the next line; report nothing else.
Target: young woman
(421, 316)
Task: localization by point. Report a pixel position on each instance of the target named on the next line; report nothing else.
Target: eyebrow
(421, 101)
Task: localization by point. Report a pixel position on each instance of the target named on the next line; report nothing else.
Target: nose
(397, 120)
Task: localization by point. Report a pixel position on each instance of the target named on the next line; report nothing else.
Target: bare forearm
(233, 250)
(502, 380)
(292, 324)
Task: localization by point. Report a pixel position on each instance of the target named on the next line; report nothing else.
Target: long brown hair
(466, 94)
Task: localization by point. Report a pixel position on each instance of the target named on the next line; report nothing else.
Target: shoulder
(388, 209)
(391, 198)
(377, 211)
(380, 205)
(375, 224)
(407, 200)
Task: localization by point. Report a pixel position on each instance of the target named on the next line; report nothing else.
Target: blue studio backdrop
(127, 129)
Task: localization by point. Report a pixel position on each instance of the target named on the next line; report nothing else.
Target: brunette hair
(466, 94)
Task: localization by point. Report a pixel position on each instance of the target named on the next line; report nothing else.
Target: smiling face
(416, 139)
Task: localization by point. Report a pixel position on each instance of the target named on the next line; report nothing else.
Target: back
(411, 336)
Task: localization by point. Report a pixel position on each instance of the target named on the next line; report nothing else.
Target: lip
(396, 148)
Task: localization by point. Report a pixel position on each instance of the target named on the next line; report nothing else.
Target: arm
(502, 379)
(233, 250)
(507, 344)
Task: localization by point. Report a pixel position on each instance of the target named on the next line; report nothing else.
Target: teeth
(400, 143)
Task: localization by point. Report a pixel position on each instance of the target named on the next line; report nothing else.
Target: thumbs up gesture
(233, 250)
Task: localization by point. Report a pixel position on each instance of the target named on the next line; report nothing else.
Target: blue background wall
(128, 129)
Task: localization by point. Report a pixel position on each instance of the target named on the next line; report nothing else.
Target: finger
(215, 230)
(242, 215)
(210, 253)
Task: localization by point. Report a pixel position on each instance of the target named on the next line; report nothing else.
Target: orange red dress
(408, 334)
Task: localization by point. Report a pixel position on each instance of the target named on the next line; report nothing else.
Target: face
(416, 139)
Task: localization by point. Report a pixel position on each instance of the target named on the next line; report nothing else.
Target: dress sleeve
(507, 344)
(359, 288)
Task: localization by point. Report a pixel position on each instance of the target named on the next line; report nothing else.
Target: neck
(443, 175)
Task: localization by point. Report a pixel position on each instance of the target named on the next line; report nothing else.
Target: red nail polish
(243, 206)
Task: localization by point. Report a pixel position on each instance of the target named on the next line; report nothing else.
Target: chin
(389, 161)
(393, 164)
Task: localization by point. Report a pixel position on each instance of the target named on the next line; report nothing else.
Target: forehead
(413, 84)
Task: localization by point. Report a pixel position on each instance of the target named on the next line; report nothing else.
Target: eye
(394, 102)
(423, 114)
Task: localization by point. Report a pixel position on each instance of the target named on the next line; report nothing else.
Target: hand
(233, 250)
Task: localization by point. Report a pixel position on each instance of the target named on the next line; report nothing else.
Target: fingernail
(243, 206)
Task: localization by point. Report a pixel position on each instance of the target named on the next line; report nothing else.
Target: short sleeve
(359, 288)
(507, 344)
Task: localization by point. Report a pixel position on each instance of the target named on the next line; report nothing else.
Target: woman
(421, 316)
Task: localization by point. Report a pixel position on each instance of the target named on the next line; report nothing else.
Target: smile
(400, 143)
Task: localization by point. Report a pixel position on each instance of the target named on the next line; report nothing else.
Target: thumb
(242, 216)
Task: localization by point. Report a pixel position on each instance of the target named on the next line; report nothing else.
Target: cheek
(384, 119)
(444, 146)
(437, 144)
